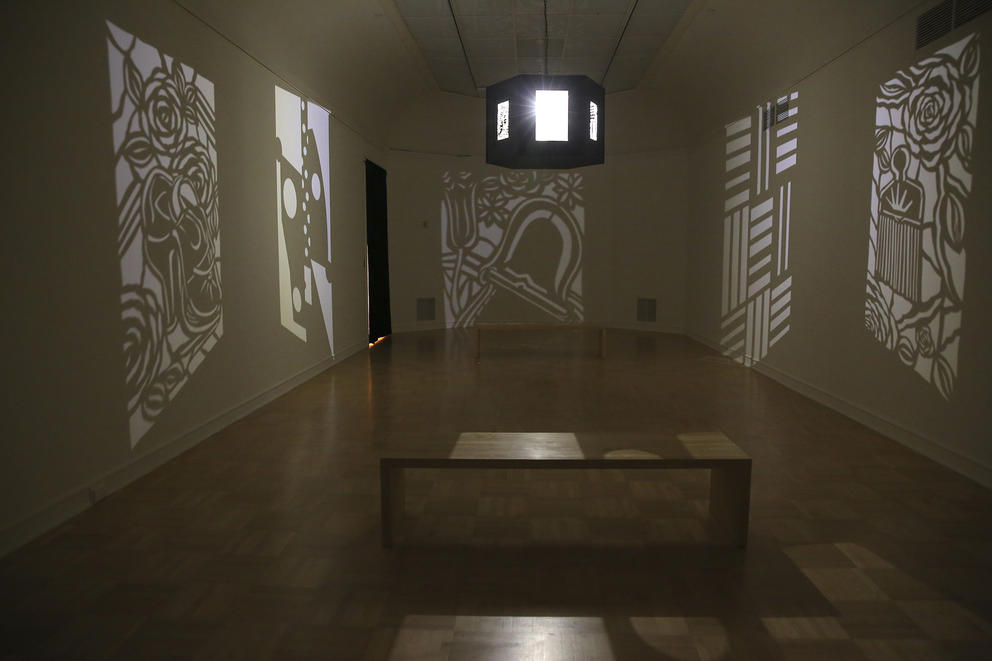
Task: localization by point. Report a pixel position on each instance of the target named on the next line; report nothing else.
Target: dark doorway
(377, 249)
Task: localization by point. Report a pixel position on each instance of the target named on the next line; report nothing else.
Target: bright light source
(552, 115)
(593, 121)
(503, 120)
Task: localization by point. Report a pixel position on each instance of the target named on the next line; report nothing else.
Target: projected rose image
(518, 232)
(761, 154)
(921, 176)
(168, 232)
(303, 217)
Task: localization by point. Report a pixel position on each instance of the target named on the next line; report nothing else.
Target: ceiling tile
(441, 48)
(486, 27)
(589, 47)
(528, 7)
(529, 25)
(579, 66)
(531, 64)
(557, 26)
(561, 6)
(656, 8)
(652, 24)
(413, 8)
(501, 48)
(482, 7)
(596, 26)
(535, 48)
(608, 6)
(537, 7)
(425, 28)
(532, 25)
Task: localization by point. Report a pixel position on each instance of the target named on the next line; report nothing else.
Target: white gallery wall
(889, 248)
(142, 273)
(623, 222)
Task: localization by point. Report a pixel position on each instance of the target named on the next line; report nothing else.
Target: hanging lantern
(536, 122)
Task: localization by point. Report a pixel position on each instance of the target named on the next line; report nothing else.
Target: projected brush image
(921, 178)
(519, 232)
(761, 156)
(303, 217)
(168, 224)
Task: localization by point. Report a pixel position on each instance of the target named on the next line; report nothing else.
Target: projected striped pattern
(761, 149)
(897, 239)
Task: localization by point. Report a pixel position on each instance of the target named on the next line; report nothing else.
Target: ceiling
(370, 61)
(469, 44)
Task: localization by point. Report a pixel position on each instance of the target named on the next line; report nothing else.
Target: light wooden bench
(514, 326)
(730, 468)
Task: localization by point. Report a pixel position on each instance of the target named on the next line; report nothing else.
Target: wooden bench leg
(602, 343)
(730, 503)
(391, 501)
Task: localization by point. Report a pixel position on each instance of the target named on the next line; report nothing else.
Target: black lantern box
(535, 122)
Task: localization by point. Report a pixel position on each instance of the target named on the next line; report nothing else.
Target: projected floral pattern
(303, 217)
(169, 238)
(762, 151)
(921, 176)
(485, 225)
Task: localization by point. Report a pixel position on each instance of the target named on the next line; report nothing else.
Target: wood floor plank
(263, 541)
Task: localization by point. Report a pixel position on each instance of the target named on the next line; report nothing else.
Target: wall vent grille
(965, 10)
(934, 23)
(425, 309)
(937, 21)
(647, 309)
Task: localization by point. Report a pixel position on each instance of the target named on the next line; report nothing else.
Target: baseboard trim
(80, 499)
(646, 327)
(967, 466)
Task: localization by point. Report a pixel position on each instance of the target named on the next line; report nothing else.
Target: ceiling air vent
(934, 23)
(965, 10)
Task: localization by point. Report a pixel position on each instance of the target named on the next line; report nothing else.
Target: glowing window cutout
(593, 121)
(552, 115)
(503, 120)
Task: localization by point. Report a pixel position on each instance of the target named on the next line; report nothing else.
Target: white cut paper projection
(503, 120)
(921, 177)
(761, 154)
(168, 225)
(488, 230)
(303, 217)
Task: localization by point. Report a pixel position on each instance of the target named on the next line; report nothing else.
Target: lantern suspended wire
(547, 34)
(630, 13)
(468, 64)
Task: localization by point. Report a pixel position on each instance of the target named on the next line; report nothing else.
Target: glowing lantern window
(503, 120)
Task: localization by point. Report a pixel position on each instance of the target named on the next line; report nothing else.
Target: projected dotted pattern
(487, 245)
(303, 217)
(921, 176)
(761, 152)
(169, 238)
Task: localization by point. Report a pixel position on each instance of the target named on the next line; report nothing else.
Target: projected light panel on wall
(921, 177)
(303, 217)
(495, 237)
(761, 152)
(168, 225)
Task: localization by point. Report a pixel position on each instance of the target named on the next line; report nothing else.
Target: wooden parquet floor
(263, 541)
